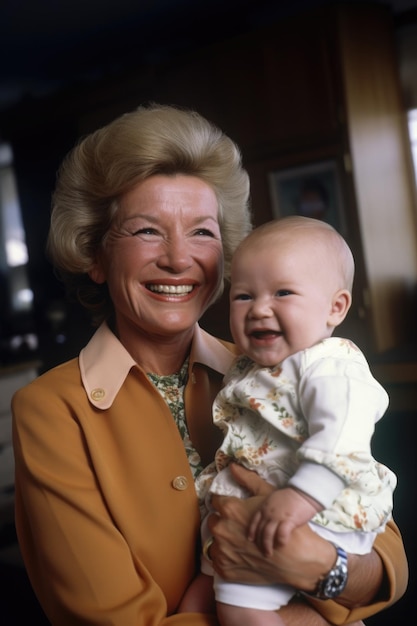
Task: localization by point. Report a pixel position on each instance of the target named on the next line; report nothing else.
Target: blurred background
(321, 98)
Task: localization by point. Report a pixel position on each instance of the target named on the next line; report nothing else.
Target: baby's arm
(284, 510)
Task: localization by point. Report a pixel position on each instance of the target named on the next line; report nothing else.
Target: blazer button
(180, 483)
(97, 394)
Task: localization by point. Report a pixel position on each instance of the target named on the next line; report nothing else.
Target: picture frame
(312, 190)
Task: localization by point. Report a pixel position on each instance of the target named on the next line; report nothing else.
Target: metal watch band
(335, 581)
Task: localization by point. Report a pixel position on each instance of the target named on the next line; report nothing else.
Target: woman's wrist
(360, 568)
(365, 582)
(332, 584)
(316, 560)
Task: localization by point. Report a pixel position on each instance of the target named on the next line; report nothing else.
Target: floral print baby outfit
(308, 422)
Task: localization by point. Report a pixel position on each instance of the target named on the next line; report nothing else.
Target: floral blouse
(171, 389)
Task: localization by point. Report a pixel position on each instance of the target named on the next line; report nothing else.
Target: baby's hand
(284, 510)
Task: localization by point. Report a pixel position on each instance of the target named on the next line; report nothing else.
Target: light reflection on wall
(13, 249)
(412, 129)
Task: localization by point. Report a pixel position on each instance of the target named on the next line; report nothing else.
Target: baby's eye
(283, 292)
(242, 296)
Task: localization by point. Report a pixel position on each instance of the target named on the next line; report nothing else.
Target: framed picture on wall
(312, 190)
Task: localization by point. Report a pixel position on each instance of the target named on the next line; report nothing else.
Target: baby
(298, 406)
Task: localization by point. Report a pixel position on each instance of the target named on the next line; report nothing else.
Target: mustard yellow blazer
(106, 512)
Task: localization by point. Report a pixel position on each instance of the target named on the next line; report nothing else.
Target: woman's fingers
(254, 525)
(250, 480)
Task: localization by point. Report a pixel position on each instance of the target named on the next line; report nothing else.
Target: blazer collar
(105, 362)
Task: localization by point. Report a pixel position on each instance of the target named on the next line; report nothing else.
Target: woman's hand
(299, 563)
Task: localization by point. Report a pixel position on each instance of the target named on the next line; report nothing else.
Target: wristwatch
(335, 581)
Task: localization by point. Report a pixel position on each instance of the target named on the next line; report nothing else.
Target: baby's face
(281, 297)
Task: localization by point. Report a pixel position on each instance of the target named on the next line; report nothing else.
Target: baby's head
(291, 285)
(306, 239)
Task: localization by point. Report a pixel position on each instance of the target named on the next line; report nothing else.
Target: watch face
(335, 582)
(336, 579)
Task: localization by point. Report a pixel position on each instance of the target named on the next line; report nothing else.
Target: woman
(146, 215)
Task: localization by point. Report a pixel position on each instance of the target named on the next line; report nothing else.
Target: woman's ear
(340, 306)
(97, 273)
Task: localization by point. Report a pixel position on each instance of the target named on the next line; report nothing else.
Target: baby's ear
(341, 302)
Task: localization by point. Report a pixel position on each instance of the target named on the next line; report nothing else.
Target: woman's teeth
(176, 289)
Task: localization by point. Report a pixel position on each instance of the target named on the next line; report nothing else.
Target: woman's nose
(175, 256)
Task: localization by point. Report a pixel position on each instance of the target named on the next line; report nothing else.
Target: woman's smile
(177, 290)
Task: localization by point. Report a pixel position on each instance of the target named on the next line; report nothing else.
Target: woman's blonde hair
(157, 139)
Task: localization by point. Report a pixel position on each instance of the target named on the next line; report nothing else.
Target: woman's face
(163, 256)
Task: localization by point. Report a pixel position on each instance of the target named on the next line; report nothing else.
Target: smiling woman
(162, 262)
(146, 215)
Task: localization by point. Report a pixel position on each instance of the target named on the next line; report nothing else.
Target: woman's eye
(145, 231)
(204, 232)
